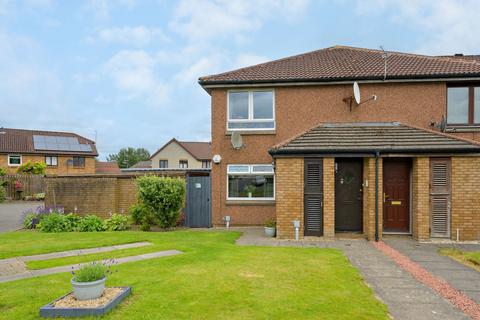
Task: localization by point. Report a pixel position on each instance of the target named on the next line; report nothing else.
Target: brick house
(406, 159)
(64, 153)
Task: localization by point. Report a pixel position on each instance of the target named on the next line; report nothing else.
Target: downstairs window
(250, 182)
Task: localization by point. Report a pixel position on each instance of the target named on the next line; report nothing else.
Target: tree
(127, 157)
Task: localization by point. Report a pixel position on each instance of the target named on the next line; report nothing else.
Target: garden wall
(96, 194)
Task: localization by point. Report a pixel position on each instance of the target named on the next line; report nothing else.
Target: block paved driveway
(405, 297)
(11, 214)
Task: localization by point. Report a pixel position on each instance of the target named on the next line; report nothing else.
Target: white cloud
(246, 59)
(207, 19)
(133, 72)
(101, 8)
(136, 36)
(447, 26)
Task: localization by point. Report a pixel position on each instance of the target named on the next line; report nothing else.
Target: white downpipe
(296, 226)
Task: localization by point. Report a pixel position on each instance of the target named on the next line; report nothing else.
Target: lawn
(469, 258)
(213, 279)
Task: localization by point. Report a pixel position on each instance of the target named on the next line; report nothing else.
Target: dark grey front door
(348, 194)
(198, 204)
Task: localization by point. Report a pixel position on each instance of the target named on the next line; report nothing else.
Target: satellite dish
(236, 139)
(356, 92)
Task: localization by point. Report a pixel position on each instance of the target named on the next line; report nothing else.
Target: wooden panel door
(396, 195)
(313, 197)
(440, 197)
(348, 194)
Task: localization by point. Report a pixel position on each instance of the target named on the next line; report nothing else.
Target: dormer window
(463, 105)
(251, 110)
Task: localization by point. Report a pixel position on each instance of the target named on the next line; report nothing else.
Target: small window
(14, 160)
(206, 164)
(163, 163)
(183, 164)
(250, 182)
(463, 105)
(51, 160)
(251, 110)
(78, 162)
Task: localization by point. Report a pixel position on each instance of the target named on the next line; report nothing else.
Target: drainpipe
(377, 155)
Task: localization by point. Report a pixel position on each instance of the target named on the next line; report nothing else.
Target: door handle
(385, 196)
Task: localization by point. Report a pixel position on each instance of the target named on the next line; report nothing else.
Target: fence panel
(30, 185)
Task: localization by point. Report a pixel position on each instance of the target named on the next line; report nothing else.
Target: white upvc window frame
(251, 111)
(14, 164)
(51, 161)
(249, 172)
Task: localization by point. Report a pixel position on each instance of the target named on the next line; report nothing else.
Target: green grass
(469, 258)
(213, 279)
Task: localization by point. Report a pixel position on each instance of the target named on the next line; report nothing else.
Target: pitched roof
(198, 150)
(384, 137)
(341, 63)
(21, 141)
(142, 164)
(106, 167)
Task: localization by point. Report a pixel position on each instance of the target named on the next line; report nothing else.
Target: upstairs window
(183, 164)
(14, 160)
(206, 164)
(51, 161)
(78, 162)
(163, 164)
(251, 110)
(463, 105)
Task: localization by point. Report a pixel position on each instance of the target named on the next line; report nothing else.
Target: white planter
(270, 231)
(88, 290)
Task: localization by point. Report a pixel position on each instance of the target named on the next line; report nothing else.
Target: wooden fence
(31, 184)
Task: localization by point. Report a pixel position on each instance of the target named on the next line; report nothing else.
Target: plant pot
(249, 194)
(88, 290)
(270, 231)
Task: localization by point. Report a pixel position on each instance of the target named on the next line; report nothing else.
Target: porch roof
(369, 138)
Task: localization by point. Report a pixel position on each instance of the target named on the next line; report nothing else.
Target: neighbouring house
(64, 153)
(107, 167)
(403, 159)
(182, 155)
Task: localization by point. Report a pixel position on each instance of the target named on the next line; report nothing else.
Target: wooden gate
(198, 204)
(313, 197)
(440, 197)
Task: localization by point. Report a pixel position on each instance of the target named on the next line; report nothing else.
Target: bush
(3, 172)
(35, 168)
(138, 212)
(163, 196)
(74, 221)
(54, 222)
(117, 222)
(3, 194)
(30, 220)
(39, 196)
(32, 217)
(90, 223)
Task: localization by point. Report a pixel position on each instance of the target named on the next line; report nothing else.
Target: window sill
(461, 128)
(250, 202)
(251, 132)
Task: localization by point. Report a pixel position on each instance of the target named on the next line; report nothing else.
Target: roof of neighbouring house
(45, 142)
(142, 164)
(343, 63)
(368, 138)
(198, 150)
(107, 167)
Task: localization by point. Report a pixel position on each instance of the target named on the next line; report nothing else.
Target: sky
(125, 72)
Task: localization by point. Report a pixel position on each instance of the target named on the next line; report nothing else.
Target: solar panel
(58, 143)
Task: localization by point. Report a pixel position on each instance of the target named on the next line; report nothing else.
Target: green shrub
(90, 272)
(3, 172)
(3, 194)
(74, 221)
(90, 223)
(39, 196)
(32, 168)
(138, 212)
(28, 220)
(163, 196)
(117, 222)
(54, 222)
